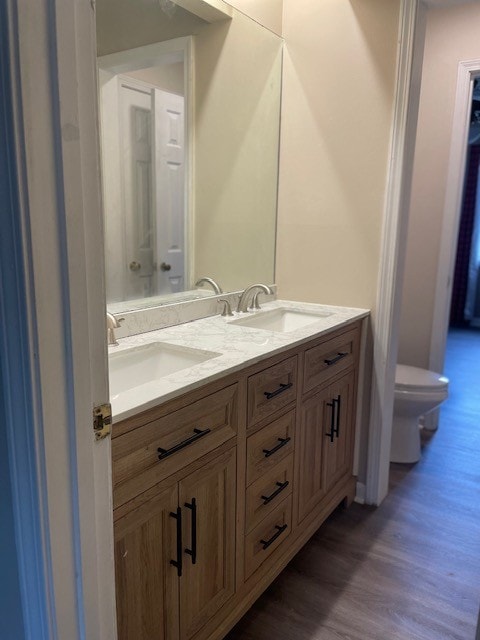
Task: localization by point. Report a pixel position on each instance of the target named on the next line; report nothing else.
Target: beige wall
(338, 94)
(236, 160)
(452, 35)
(266, 12)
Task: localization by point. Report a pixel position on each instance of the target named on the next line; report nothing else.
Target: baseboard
(360, 492)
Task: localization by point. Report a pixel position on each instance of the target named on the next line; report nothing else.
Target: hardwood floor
(411, 568)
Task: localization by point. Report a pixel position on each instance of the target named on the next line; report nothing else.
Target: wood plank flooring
(409, 570)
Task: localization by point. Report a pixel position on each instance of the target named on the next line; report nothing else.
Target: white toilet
(417, 392)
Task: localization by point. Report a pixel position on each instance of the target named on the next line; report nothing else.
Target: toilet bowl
(417, 392)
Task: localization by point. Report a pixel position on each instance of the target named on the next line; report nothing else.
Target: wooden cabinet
(175, 554)
(325, 443)
(207, 497)
(216, 490)
(146, 582)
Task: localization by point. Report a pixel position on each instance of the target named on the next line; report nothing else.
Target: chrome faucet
(243, 302)
(112, 323)
(211, 282)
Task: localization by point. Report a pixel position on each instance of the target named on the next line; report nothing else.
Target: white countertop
(237, 347)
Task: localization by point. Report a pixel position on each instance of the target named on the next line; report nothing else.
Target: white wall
(452, 35)
(338, 95)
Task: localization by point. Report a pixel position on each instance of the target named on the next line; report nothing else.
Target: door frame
(55, 138)
(386, 318)
(467, 71)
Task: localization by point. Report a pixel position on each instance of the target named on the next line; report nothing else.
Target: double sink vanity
(233, 440)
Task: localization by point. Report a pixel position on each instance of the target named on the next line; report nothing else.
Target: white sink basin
(281, 320)
(137, 366)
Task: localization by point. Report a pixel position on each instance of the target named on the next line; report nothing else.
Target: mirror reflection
(189, 114)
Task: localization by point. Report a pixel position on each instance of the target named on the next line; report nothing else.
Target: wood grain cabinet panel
(208, 580)
(268, 537)
(330, 358)
(271, 389)
(325, 443)
(146, 583)
(267, 492)
(270, 445)
(175, 555)
(188, 433)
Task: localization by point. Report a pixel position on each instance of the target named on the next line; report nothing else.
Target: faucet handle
(227, 309)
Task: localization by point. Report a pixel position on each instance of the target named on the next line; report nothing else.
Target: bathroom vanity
(223, 477)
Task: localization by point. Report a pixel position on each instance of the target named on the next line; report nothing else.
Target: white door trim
(467, 71)
(55, 63)
(387, 315)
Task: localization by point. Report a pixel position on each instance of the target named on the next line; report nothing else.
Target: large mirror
(190, 114)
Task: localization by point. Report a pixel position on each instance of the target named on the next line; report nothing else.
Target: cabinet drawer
(271, 389)
(267, 492)
(147, 455)
(270, 534)
(270, 445)
(329, 358)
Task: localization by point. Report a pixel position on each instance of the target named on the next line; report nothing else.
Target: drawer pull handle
(337, 400)
(281, 443)
(281, 486)
(279, 531)
(332, 432)
(193, 551)
(283, 387)
(197, 434)
(178, 562)
(339, 356)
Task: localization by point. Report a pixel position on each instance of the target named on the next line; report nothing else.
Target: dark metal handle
(337, 401)
(178, 562)
(193, 551)
(338, 357)
(281, 443)
(198, 433)
(332, 432)
(281, 486)
(283, 387)
(165, 267)
(280, 530)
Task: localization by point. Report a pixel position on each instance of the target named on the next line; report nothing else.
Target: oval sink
(137, 366)
(281, 320)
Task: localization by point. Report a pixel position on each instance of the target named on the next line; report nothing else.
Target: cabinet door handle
(283, 387)
(331, 433)
(178, 562)
(193, 550)
(281, 443)
(281, 486)
(339, 356)
(197, 434)
(337, 401)
(279, 531)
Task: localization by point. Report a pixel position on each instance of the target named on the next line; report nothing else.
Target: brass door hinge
(102, 421)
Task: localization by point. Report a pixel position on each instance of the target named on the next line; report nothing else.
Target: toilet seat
(414, 379)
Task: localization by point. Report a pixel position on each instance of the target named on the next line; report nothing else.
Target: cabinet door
(146, 582)
(207, 499)
(339, 453)
(315, 423)
(325, 443)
